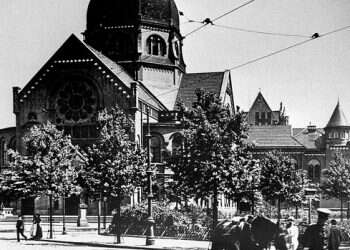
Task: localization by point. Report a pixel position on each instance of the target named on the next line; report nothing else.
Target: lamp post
(150, 221)
(50, 213)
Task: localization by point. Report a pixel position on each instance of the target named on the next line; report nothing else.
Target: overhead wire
(315, 36)
(209, 21)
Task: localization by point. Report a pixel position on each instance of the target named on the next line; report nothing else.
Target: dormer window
(156, 46)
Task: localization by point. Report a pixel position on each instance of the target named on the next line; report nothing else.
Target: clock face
(76, 102)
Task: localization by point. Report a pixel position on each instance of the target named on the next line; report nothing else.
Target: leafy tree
(213, 153)
(115, 164)
(336, 182)
(46, 169)
(280, 179)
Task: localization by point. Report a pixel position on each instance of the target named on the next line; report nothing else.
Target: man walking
(315, 236)
(334, 236)
(20, 228)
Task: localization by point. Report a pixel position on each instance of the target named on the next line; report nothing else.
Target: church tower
(337, 135)
(337, 131)
(141, 35)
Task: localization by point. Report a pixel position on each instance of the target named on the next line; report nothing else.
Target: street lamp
(150, 221)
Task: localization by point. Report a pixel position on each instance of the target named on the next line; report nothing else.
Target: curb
(93, 244)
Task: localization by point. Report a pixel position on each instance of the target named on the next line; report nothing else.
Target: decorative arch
(156, 145)
(314, 170)
(156, 45)
(176, 142)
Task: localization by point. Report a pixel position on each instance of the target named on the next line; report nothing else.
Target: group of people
(315, 237)
(36, 232)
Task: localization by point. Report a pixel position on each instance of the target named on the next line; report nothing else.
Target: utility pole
(150, 232)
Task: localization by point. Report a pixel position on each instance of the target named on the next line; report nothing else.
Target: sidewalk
(94, 240)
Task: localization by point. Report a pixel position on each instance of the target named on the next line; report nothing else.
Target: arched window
(156, 46)
(295, 163)
(176, 144)
(314, 170)
(156, 148)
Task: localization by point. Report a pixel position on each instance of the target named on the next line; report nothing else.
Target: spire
(338, 118)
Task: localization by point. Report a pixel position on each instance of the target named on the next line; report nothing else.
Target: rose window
(76, 101)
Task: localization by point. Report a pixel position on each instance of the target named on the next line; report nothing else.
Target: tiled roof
(210, 81)
(117, 69)
(272, 136)
(338, 118)
(310, 140)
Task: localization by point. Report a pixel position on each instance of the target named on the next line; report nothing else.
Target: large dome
(109, 13)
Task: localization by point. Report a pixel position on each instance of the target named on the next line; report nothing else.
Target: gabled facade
(311, 148)
(131, 56)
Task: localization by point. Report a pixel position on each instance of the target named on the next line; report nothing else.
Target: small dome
(109, 13)
(338, 118)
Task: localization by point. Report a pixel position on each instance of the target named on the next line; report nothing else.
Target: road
(12, 244)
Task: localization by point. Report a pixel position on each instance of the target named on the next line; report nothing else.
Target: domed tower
(337, 131)
(141, 35)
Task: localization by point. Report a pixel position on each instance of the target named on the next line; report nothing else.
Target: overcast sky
(307, 79)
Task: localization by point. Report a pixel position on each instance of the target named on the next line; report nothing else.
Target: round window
(76, 102)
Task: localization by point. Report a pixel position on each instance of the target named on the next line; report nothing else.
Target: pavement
(88, 237)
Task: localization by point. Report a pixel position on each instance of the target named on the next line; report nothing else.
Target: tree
(115, 164)
(213, 152)
(46, 169)
(280, 179)
(336, 182)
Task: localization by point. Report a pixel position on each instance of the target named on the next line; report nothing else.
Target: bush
(190, 223)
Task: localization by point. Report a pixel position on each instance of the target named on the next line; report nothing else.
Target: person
(334, 237)
(292, 234)
(36, 231)
(20, 228)
(315, 237)
(245, 234)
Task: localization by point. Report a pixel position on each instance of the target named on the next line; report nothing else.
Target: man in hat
(315, 236)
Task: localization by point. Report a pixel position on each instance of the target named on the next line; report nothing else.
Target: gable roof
(338, 118)
(257, 100)
(210, 81)
(74, 48)
(272, 137)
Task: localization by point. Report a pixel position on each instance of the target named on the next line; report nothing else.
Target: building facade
(130, 56)
(311, 148)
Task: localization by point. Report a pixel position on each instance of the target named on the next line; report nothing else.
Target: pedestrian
(292, 234)
(20, 228)
(315, 236)
(334, 237)
(245, 234)
(36, 232)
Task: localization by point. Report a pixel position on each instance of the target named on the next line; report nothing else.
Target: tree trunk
(118, 220)
(215, 219)
(296, 212)
(341, 207)
(99, 216)
(278, 211)
(50, 214)
(348, 210)
(215, 208)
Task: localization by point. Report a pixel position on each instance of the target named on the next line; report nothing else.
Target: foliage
(280, 179)
(48, 167)
(214, 155)
(168, 222)
(115, 165)
(337, 178)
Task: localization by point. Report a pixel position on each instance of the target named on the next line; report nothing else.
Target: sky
(308, 79)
